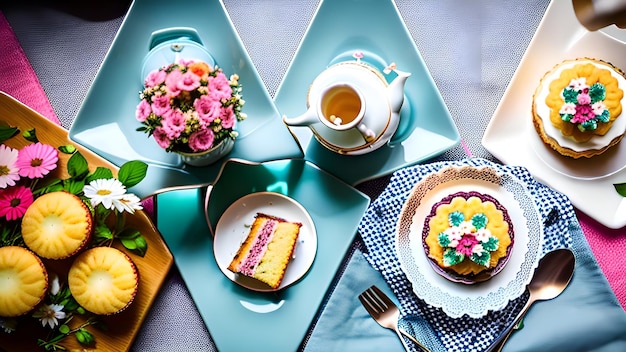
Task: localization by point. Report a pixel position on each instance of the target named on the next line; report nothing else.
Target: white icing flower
(568, 108)
(483, 235)
(578, 83)
(466, 227)
(478, 249)
(598, 107)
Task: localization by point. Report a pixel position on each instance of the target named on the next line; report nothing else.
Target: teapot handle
(162, 35)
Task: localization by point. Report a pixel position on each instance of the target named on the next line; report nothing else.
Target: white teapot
(351, 108)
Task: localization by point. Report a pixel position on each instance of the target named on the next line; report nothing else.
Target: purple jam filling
(258, 248)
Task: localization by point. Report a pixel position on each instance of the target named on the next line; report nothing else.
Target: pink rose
(161, 105)
(219, 88)
(160, 136)
(228, 117)
(143, 110)
(172, 82)
(188, 81)
(208, 109)
(155, 78)
(174, 124)
(201, 140)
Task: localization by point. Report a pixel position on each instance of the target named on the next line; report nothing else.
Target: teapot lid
(173, 48)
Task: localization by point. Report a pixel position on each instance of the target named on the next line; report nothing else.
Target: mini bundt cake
(23, 281)
(103, 280)
(57, 225)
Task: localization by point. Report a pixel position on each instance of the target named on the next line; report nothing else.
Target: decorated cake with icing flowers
(577, 107)
(468, 237)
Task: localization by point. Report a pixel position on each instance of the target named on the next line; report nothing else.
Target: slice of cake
(577, 106)
(468, 237)
(57, 225)
(23, 281)
(267, 250)
(103, 280)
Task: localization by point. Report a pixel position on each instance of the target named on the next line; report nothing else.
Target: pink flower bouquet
(190, 107)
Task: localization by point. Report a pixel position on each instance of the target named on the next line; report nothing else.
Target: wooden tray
(153, 267)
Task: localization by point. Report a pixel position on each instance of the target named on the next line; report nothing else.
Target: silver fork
(386, 313)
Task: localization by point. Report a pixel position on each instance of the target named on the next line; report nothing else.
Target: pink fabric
(607, 245)
(17, 77)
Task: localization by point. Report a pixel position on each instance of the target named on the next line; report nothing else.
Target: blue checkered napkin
(377, 229)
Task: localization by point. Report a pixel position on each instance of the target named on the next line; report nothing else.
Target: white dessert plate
(338, 29)
(234, 225)
(511, 138)
(457, 299)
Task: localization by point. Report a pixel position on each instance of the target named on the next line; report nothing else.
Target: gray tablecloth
(471, 48)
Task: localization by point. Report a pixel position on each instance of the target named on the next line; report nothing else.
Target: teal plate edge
(338, 28)
(106, 122)
(229, 309)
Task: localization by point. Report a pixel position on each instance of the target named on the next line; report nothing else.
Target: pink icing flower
(584, 99)
(228, 117)
(143, 111)
(14, 201)
(466, 244)
(582, 114)
(201, 140)
(155, 78)
(358, 55)
(37, 160)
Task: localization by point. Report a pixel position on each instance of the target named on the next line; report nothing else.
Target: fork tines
(374, 299)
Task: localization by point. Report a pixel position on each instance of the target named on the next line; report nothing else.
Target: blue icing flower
(479, 221)
(456, 218)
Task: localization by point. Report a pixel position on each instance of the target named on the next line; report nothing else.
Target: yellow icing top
(592, 74)
(498, 227)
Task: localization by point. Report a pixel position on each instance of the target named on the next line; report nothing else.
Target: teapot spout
(395, 91)
(306, 119)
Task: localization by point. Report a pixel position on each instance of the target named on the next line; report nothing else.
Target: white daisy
(129, 202)
(104, 191)
(8, 171)
(48, 314)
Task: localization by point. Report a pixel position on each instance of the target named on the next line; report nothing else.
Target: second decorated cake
(468, 237)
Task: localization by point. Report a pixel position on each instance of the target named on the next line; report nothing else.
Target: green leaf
(103, 231)
(73, 186)
(77, 166)
(6, 131)
(132, 240)
(30, 135)
(100, 173)
(67, 149)
(64, 329)
(620, 188)
(87, 337)
(132, 172)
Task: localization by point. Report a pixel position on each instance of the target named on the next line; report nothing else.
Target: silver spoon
(552, 275)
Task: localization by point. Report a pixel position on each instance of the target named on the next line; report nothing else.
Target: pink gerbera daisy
(37, 160)
(14, 201)
(8, 171)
